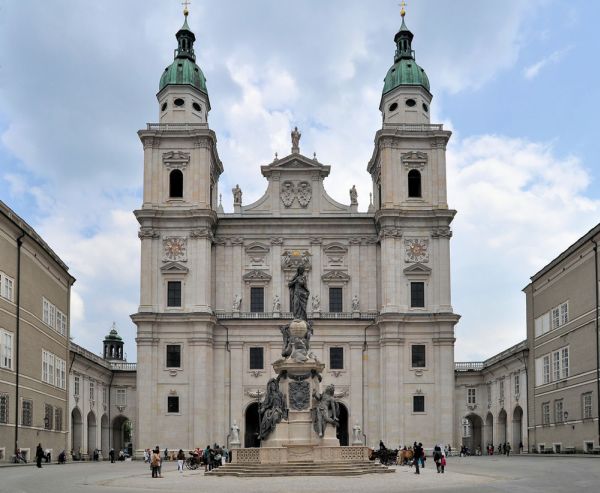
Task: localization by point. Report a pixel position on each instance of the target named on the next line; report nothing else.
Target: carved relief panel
(257, 256)
(292, 191)
(335, 256)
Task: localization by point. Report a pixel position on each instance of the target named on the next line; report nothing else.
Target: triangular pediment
(174, 268)
(335, 248)
(335, 276)
(418, 269)
(257, 247)
(295, 162)
(257, 275)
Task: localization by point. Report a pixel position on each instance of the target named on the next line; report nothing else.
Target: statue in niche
(235, 432)
(356, 433)
(237, 195)
(355, 303)
(326, 410)
(276, 304)
(295, 139)
(272, 409)
(237, 303)
(316, 303)
(353, 196)
(299, 294)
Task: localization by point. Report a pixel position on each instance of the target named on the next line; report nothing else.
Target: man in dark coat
(111, 454)
(418, 453)
(39, 455)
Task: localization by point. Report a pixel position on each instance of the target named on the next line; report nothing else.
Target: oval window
(410, 103)
(393, 107)
(164, 106)
(196, 106)
(425, 108)
(179, 102)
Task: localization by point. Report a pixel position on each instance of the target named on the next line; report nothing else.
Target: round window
(393, 107)
(425, 108)
(179, 102)
(410, 103)
(163, 107)
(196, 106)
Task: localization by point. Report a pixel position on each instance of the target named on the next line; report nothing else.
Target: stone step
(300, 469)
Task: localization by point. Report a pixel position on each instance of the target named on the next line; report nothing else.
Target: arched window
(176, 184)
(414, 183)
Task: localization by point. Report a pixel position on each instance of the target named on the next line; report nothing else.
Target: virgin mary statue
(299, 294)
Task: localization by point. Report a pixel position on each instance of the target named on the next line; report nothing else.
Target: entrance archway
(121, 433)
(91, 432)
(517, 434)
(342, 431)
(105, 436)
(251, 426)
(473, 433)
(76, 431)
(489, 430)
(502, 427)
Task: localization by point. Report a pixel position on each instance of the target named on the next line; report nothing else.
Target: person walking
(507, 448)
(443, 463)
(418, 452)
(155, 463)
(437, 458)
(39, 455)
(180, 459)
(111, 454)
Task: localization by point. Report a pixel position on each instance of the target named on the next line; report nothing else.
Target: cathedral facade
(214, 285)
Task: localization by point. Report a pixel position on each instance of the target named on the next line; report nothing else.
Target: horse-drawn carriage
(386, 456)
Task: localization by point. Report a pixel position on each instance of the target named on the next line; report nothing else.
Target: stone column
(237, 380)
(315, 274)
(276, 272)
(356, 385)
(201, 391)
(354, 260)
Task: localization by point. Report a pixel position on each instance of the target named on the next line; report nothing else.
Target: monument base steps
(300, 469)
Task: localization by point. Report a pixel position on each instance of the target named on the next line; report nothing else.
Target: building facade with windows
(562, 329)
(35, 288)
(214, 285)
(102, 399)
(491, 401)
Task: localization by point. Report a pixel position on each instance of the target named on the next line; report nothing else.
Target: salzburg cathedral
(214, 285)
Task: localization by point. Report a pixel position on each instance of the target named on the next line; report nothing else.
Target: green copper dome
(183, 70)
(405, 71)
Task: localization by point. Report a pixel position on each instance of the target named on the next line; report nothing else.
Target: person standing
(507, 449)
(180, 459)
(155, 463)
(39, 455)
(111, 454)
(418, 452)
(443, 463)
(437, 458)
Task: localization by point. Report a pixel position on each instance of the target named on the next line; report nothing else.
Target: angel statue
(326, 411)
(272, 409)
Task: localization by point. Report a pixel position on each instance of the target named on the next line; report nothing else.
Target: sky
(517, 82)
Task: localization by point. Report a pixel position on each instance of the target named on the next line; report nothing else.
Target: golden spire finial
(402, 9)
(185, 4)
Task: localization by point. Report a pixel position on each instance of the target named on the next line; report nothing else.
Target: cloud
(519, 206)
(532, 71)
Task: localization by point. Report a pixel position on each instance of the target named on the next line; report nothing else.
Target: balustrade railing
(468, 365)
(288, 315)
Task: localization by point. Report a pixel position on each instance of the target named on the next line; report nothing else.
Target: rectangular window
(564, 313)
(58, 419)
(517, 384)
(61, 322)
(174, 293)
(547, 369)
(418, 403)
(559, 416)
(418, 356)
(48, 416)
(564, 362)
(173, 404)
(542, 324)
(546, 413)
(6, 349)
(76, 386)
(587, 405)
(3, 408)
(471, 396)
(173, 356)
(335, 300)
(92, 391)
(257, 358)
(556, 366)
(6, 286)
(417, 294)
(61, 376)
(121, 397)
(555, 317)
(257, 300)
(27, 412)
(336, 358)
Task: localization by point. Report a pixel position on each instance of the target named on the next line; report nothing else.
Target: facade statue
(353, 196)
(237, 195)
(276, 304)
(237, 303)
(316, 303)
(296, 346)
(296, 139)
(356, 433)
(326, 410)
(272, 409)
(299, 294)
(235, 432)
(355, 303)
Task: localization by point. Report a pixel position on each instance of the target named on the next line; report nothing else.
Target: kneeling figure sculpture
(326, 410)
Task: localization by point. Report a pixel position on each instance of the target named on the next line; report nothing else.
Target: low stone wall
(299, 453)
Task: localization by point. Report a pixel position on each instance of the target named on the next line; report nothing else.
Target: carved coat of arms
(304, 193)
(299, 395)
(288, 193)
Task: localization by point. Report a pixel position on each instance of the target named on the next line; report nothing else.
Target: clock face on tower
(416, 250)
(175, 248)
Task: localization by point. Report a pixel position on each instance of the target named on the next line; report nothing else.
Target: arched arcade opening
(76, 431)
(251, 426)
